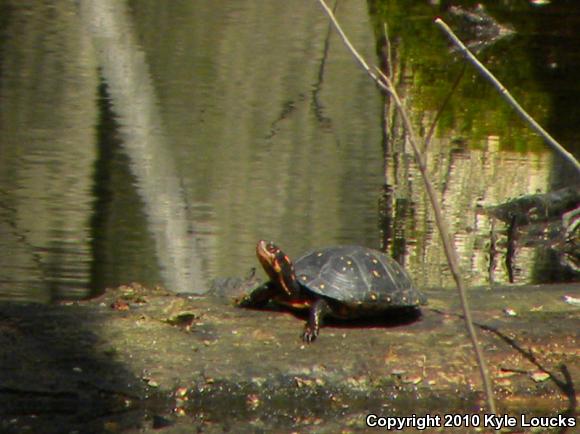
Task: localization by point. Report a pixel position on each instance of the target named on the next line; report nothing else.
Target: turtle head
(278, 266)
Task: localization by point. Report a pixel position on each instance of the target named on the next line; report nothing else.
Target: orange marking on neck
(296, 304)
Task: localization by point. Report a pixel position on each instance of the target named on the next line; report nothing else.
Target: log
(146, 358)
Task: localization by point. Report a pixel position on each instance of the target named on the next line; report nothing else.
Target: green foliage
(428, 67)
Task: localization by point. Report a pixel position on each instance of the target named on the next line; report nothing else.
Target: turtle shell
(358, 277)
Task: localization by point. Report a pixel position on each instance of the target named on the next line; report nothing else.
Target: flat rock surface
(145, 360)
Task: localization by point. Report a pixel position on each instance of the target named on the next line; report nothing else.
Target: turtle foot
(310, 334)
(243, 301)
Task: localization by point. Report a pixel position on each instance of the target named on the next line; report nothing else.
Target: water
(158, 141)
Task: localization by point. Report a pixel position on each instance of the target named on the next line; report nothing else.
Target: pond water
(158, 141)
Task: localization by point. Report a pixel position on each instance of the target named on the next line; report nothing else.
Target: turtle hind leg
(319, 309)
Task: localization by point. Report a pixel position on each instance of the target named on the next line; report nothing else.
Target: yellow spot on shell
(349, 262)
(321, 286)
(319, 254)
(373, 296)
(376, 273)
(374, 261)
(389, 299)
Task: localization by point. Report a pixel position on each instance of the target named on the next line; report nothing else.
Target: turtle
(343, 282)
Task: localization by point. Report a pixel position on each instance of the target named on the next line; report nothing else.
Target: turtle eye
(271, 247)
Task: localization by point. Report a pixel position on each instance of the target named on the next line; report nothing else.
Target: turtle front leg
(258, 297)
(319, 309)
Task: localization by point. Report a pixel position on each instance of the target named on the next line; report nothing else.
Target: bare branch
(385, 83)
(506, 95)
(389, 54)
(355, 53)
(454, 87)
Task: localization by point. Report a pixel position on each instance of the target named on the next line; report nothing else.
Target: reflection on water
(46, 136)
(129, 156)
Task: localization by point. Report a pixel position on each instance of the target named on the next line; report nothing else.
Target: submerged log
(533, 208)
(138, 357)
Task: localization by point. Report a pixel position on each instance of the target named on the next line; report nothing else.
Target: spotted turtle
(340, 282)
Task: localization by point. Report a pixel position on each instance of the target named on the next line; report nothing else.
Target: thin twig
(454, 87)
(507, 96)
(449, 248)
(389, 54)
(355, 53)
(385, 83)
